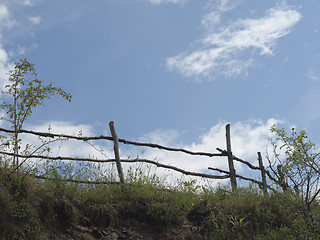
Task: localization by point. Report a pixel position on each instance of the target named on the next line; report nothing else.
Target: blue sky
(171, 71)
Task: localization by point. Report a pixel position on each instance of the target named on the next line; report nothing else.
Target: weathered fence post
(116, 150)
(232, 171)
(263, 174)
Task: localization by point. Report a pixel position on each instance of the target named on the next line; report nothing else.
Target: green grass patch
(40, 209)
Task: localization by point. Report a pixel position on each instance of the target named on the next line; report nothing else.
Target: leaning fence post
(232, 171)
(263, 174)
(116, 150)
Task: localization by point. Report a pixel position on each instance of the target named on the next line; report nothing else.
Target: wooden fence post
(232, 171)
(116, 150)
(263, 174)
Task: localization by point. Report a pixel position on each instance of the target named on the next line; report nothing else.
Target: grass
(55, 209)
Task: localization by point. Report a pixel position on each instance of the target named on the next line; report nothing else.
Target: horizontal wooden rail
(60, 158)
(244, 178)
(249, 165)
(122, 160)
(74, 180)
(151, 145)
(177, 169)
(239, 160)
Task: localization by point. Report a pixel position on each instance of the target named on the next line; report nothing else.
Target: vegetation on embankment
(143, 208)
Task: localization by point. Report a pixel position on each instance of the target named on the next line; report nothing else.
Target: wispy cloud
(35, 19)
(27, 2)
(217, 8)
(313, 75)
(168, 1)
(5, 19)
(6, 22)
(222, 50)
(10, 23)
(164, 137)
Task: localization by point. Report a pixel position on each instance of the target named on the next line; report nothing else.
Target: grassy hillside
(143, 209)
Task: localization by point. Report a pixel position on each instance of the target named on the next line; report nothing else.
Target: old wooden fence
(221, 153)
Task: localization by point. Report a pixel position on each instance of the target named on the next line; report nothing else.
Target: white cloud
(5, 20)
(256, 33)
(35, 20)
(220, 49)
(162, 137)
(218, 7)
(70, 148)
(99, 149)
(5, 65)
(27, 3)
(211, 19)
(168, 1)
(313, 75)
(247, 138)
(4, 13)
(3, 56)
